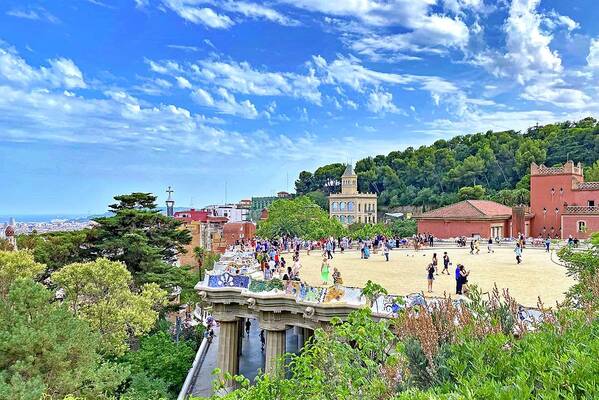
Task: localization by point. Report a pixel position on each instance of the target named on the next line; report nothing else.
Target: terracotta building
(350, 206)
(467, 218)
(562, 204)
(206, 231)
(239, 232)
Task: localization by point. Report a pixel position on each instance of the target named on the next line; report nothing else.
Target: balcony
(582, 210)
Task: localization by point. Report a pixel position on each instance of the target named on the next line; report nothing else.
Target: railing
(195, 369)
(581, 210)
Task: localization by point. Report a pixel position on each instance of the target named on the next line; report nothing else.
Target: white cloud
(183, 83)
(243, 78)
(551, 91)
(38, 14)
(257, 11)
(593, 57)
(190, 11)
(554, 20)
(427, 30)
(528, 53)
(381, 102)
(198, 12)
(226, 104)
(62, 72)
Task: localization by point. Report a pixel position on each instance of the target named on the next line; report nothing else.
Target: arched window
(335, 206)
(342, 219)
(342, 206)
(350, 206)
(350, 219)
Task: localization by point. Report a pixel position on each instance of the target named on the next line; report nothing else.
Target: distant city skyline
(102, 98)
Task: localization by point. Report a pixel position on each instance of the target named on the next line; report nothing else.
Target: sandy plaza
(405, 272)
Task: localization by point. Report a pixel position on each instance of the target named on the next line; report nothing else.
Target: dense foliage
(299, 217)
(432, 176)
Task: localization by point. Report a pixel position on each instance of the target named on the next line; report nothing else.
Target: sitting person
(337, 280)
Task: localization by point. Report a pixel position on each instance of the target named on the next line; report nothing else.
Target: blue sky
(102, 97)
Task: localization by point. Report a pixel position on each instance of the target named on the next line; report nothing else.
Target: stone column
(275, 348)
(307, 333)
(228, 347)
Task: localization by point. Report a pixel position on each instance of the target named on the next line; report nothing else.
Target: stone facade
(351, 206)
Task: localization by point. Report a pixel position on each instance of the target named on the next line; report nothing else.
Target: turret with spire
(349, 181)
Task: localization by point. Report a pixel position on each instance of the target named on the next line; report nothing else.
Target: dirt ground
(405, 272)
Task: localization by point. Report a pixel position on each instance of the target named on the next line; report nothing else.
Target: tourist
(458, 280)
(296, 269)
(477, 246)
(248, 324)
(547, 244)
(329, 250)
(490, 246)
(445, 263)
(435, 262)
(431, 240)
(362, 245)
(464, 279)
(366, 252)
(324, 271)
(518, 251)
(472, 247)
(337, 280)
(386, 251)
(430, 276)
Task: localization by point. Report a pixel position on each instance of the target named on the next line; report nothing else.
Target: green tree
(147, 241)
(46, 351)
(591, 173)
(299, 217)
(99, 292)
(16, 265)
(403, 228)
(476, 192)
(160, 358)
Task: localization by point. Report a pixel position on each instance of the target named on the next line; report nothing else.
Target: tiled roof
(349, 170)
(473, 209)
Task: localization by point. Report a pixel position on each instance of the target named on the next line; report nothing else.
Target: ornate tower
(9, 232)
(170, 203)
(349, 181)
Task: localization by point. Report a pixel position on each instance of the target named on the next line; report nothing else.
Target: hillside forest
(490, 165)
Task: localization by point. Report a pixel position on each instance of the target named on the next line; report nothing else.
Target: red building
(237, 232)
(561, 205)
(562, 202)
(467, 218)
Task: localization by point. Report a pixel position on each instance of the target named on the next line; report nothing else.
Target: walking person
(445, 263)
(547, 244)
(477, 246)
(386, 251)
(324, 271)
(472, 247)
(490, 245)
(518, 251)
(458, 280)
(435, 262)
(430, 269)
(464, 279)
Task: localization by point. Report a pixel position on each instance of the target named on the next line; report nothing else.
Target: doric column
(228, 347)
(275, 348)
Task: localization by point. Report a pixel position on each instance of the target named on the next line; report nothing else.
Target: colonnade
(229, 345)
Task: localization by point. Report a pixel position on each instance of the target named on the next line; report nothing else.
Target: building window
(591, 203)
(342, 206)
(350, 219)
(582, 226)
(335, 206)
(359, 207)
(359, 219)
(350, 206)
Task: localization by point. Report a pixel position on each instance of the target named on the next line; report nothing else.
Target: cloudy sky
(101, 97)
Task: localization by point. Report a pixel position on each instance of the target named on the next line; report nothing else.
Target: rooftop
(471, 209)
